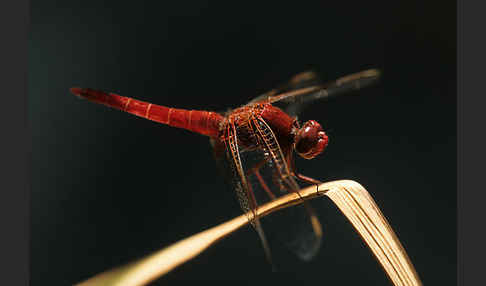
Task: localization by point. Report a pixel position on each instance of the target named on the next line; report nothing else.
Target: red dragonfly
(258, 141)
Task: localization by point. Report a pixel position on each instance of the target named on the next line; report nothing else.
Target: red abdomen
(202, 122)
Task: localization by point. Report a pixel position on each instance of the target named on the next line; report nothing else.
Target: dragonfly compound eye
(310, 140)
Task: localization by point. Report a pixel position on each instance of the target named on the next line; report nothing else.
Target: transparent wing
(306, 87)
(251, 158)
(243, 189)
(300, 80)
(298, 226)
(267, 176)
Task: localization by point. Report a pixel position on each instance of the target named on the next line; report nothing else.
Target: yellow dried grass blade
(350, 197)
(360, 208)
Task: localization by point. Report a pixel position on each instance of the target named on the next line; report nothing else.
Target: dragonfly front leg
(307, 179)
(301, 177)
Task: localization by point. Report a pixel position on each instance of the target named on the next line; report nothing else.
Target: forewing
(243, 189)
(305, 88)
(239, 179)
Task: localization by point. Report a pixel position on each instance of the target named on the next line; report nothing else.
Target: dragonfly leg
(263, 184)
(256, 171)
(303, 178)
(308, 180)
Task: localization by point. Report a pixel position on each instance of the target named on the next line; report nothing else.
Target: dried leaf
(350, 197)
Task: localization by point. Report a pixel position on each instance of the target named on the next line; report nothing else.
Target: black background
(108, 187)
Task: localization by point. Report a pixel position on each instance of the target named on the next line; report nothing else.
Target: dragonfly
(256, 143)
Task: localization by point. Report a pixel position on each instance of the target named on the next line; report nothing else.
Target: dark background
(108, 187)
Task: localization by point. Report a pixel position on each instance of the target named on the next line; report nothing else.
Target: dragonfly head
(310, 140)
